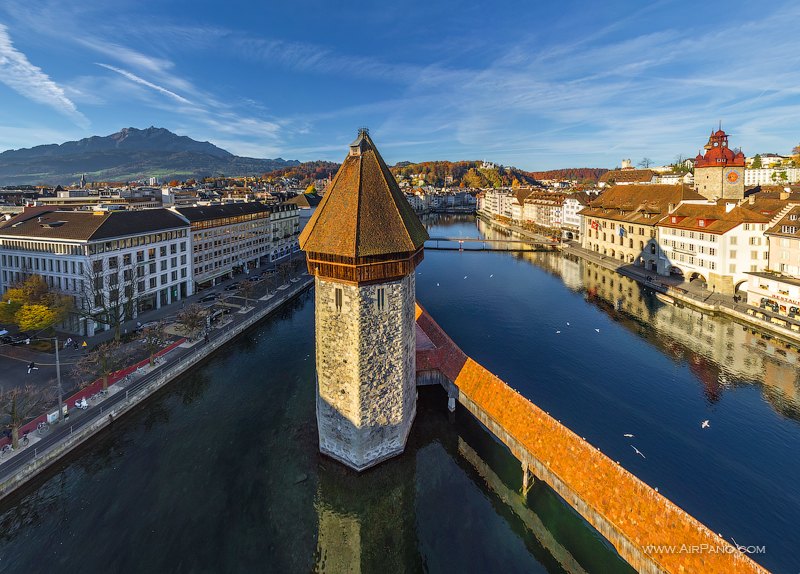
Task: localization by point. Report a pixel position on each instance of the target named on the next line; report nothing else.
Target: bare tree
(645, 163)
(104, 360)
(246, 291)
(192, 320)
(285, 271)
(17, 405)
(154, 338)
(111, 290)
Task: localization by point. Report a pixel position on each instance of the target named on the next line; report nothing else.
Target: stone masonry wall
(366, 367)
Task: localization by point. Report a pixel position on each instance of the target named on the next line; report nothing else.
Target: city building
(621, 222)
(627, 176)
(719, 173)
(114, 264)
(231, 238)
(717, 242)
(771, 176)
(362, 245)
(571, 221)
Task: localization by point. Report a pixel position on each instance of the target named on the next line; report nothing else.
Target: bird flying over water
(637, 451)
(465, 276)
(492, 275)
(705, 424)
(557, 332)
(598, 330)
(628, 435)
(567, 323)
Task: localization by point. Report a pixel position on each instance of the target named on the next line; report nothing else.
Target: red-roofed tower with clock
(719, 173)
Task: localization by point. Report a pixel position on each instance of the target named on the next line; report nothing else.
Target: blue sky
(532, 84)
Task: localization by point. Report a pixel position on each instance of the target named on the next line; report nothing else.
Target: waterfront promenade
(690, 293)
(129, 387)
(648, 530)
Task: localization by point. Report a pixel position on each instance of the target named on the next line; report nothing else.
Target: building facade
(117, 263)
(717, 243)
(362, 245)
(230, 238)
(621, 223)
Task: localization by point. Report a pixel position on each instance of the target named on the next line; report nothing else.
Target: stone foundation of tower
(366, 369)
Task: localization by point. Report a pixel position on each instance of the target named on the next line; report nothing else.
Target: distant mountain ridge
(129, 154)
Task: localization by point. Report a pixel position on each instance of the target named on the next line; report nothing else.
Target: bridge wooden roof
(363, 213)
(643, 516)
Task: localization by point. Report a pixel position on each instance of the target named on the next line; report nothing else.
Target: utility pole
(58, 378)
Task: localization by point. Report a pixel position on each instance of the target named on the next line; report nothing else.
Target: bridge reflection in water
(639, 522)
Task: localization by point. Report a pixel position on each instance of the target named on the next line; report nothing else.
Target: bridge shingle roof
(644, 517)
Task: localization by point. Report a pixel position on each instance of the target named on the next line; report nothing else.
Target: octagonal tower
(362, 245)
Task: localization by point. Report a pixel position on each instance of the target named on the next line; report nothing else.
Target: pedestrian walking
(206, 338)
(68, 342)
(32, 367)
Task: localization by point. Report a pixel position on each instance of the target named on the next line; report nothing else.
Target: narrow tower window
(380, 298)
(338, 297)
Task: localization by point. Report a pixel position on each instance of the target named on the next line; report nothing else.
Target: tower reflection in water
(451, 502)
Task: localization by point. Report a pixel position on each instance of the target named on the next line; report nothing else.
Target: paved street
(14, 359)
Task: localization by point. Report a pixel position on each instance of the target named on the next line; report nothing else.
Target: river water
(220, 471)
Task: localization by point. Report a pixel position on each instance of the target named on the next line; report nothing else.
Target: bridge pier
(527, 479)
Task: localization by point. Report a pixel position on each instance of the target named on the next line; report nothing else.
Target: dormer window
(701, 222)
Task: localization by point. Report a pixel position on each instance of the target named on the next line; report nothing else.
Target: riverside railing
(62, 439)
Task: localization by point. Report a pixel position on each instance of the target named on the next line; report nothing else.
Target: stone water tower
(362, 245)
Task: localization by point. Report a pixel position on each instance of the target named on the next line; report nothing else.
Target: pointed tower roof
(363, 213)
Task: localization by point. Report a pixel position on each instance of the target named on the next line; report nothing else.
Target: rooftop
(363, 213)
(90, 226)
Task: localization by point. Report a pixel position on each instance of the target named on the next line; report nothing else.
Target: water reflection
(720, 352)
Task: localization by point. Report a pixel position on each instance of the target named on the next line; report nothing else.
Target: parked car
(210, 297)
(233, 286)
(15, 339)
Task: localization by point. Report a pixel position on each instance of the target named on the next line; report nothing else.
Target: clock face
(733, 176)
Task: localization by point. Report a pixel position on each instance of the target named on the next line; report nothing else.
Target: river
(220, 471)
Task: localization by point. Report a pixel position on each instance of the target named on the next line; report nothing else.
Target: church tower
(362, 245)
(719, 173)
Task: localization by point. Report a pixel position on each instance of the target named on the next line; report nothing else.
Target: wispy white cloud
(134, 78)
(19, 74)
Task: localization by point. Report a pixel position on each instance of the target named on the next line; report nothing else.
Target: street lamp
(58, 378)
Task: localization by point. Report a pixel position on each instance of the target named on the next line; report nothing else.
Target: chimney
(752, 199)
(785, 193)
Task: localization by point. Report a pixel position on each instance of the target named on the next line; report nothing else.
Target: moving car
(233, 286)
(210, 297)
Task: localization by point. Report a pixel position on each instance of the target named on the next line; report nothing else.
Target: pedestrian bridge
(475, 244)
(648, 530)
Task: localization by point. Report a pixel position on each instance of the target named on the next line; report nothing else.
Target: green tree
(32, 305)
(757, 162)
(16, 406)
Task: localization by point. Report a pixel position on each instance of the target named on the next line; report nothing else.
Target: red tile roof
(642, 516)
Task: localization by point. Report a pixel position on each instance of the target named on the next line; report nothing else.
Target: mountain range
(130, 154)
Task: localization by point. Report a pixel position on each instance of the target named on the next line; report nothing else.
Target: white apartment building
(231, 238)
(716, 242)
(571, 221)
(771, 176)
(497, 203)
(123, 262)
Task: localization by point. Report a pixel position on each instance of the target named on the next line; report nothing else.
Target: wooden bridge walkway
(650, 532)
(475, 244)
